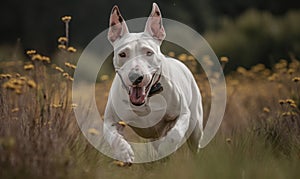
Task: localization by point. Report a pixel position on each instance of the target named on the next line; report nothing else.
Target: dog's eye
(149, 53)
(122, 54)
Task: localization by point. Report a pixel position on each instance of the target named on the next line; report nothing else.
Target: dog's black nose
(135, 77)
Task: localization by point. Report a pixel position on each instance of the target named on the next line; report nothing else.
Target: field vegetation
(39, 137)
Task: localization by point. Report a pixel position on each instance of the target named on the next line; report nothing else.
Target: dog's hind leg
(195, 137)
(196, 121)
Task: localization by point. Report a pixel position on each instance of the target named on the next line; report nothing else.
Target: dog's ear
(117, 25)
(154, 24)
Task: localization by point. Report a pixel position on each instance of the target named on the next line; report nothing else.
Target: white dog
(155, 95)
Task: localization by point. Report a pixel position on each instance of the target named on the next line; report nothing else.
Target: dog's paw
(122, 150)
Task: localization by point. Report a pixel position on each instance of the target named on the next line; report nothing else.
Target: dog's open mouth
(137, 95)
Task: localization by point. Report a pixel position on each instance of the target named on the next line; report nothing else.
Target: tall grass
(39, 137)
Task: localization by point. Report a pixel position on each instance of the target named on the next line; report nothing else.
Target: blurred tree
(37, 23)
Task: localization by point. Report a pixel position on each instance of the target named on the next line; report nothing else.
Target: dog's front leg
(176, 135)
(112, 133)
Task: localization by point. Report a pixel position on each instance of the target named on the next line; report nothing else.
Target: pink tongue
(137, 95)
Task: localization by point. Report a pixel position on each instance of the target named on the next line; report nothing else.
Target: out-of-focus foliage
(33, 19)
(257, 37)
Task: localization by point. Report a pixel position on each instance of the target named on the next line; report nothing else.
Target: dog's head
(137, 56)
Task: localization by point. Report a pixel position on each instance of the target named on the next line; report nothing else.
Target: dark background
(247, 31)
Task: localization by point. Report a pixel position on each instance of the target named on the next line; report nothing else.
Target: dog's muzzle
(137, 94)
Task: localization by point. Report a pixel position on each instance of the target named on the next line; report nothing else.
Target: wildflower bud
(191, 58)
(93, 131)
(104, 77)
(228, 141)
(70, 78)
(224, 59)
(28, 67)
(18, 91)
(31, 84)
(296, 79)
(119, 163)
(15, 110)
(36, 57)
(74, 105)
(62, 47)
(65, 75)
(293, 105)
(182, 57)
(59, 69)
(286, 114)
(70, 65)
(171, 54)
(241, 70)
(291, 71)
(62, 39)
(290, 101)
(45, 59)
(66, 18)
(23, 78)
(266, 110)
(71, 49)
(281, 102)
(122, 123)
(31, 52)
(3, 76)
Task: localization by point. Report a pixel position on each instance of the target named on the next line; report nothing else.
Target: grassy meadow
(39, 136)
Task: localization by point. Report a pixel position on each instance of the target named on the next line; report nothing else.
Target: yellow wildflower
(190, 58)
(59, 69)
(74, 105)
(66, 18)
(3, 76)
(122, 123)
(62, 39)
(119, 163)
(72, 49)
(293, 105)
(290, 101)
(28, 67)
(65, 75)
(291, 71)
(36, 57)
(15, 110)
(31, 84)
(70, 65)
(266, 110)
(62, 47)
(281, 101)
(93, 131)
(224, 59)
(31, 52)
(104, 77)
(182, 57)
(171, 54)
(46, 59)
(228, 140)
(296, 79)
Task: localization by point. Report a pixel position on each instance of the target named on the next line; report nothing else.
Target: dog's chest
(158, 130)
